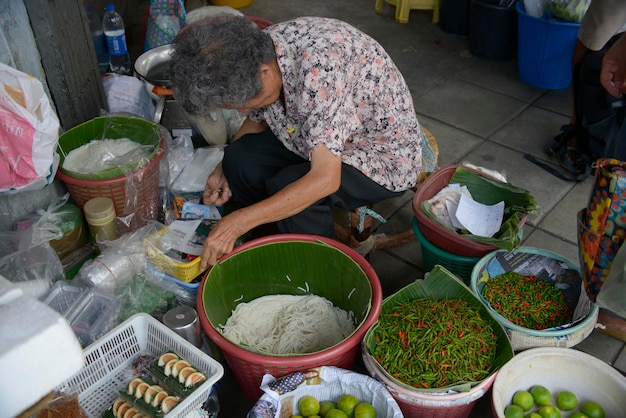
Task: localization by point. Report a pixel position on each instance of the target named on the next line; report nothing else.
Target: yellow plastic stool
(404, 7)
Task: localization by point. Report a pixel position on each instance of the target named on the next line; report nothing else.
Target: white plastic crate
(108, 365)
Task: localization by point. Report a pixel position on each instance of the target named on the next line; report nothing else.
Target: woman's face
(271, 91)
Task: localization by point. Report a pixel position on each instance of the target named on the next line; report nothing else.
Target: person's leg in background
(603, 20)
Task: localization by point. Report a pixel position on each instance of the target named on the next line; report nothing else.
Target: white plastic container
(100, 216)
(558, 369)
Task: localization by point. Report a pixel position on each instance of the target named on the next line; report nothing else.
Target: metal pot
(153, 66)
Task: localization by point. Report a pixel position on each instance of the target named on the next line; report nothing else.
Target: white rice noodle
(287, 324)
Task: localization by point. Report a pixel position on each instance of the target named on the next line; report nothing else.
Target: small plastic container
(90, 318)
(63, 296)
(100, 215)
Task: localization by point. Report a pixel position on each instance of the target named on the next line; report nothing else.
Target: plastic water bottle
(113, 26)
(99, 41)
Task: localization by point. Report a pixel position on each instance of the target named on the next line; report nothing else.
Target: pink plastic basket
(136, 194)
(280, 256)
(423, 405)
(435, 233)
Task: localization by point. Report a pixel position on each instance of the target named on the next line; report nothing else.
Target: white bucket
(559, 369)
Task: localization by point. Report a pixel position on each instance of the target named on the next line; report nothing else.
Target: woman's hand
(216, 191)
(613, 73)
(221, 240)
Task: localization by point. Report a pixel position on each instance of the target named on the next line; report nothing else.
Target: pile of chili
(428, 343)
(527, 301)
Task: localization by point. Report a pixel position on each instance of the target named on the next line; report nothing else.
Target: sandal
(573, 165)
(571, 160)
(566, 137)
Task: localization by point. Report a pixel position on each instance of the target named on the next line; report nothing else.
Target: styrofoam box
(37, 347)
(109, 364)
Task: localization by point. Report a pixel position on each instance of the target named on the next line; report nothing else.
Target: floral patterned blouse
(342, 90)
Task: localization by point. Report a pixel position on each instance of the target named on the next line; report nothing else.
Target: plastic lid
(99, 210)
(109, 7)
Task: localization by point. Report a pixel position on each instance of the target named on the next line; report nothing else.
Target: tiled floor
(480, 112)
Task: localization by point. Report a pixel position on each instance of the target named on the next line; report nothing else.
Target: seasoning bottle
(100, 216)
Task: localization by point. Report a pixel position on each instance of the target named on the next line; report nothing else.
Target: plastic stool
(404, 7)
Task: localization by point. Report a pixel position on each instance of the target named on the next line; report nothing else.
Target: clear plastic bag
(612, 294)
(165, 19)
(566, 10)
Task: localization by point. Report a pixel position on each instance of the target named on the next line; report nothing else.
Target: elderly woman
(330, 122)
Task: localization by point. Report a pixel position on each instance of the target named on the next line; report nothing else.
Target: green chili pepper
(427, 343)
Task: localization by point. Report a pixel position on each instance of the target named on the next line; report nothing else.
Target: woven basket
(133, 188)
(524, 338)
(295, 264)
(438, 235)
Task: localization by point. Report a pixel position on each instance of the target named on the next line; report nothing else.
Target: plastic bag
(34, 269)
(29, 133)
(567, 10)
(165, 20)
(281, 396)
(126, 94)
(612, 294)
(63, 405)
(535, 7)
(601, 227)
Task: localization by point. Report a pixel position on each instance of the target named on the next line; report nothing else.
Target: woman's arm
(323, 179)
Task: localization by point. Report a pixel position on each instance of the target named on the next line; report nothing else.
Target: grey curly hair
(216, 63)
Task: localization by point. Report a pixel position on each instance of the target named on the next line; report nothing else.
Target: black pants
(259, 165)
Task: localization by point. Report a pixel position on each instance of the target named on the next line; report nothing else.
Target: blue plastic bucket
(545, 50)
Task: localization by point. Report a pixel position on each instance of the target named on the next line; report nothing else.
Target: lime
(326, 406)
(532, 415)
(297, 416)
(336, 413)
(578, 415)
(364, 410)
(549, 411)
(524, 399)
(513, 411)
(308, 406)
(541, 394)
(566, 401)
(592, 409)
(347, 403)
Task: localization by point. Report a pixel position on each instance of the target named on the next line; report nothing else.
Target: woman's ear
(266, 71)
